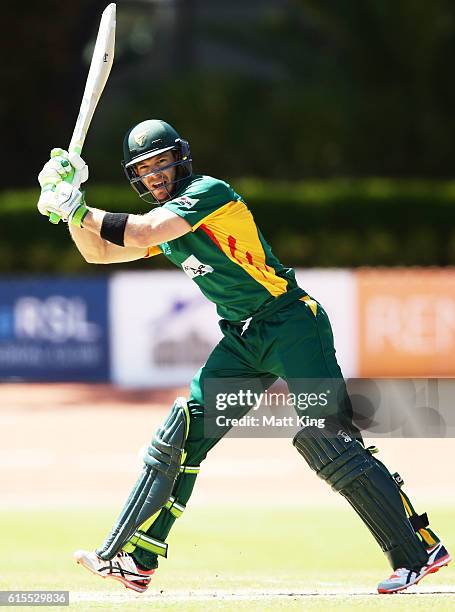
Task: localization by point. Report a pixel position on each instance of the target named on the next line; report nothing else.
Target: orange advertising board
(406, 321)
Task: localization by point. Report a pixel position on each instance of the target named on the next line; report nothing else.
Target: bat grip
(54, 218)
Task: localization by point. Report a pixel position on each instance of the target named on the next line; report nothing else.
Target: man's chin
(161, 195)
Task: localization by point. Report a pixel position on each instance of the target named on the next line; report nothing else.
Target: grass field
(261, 532)
(252, 559)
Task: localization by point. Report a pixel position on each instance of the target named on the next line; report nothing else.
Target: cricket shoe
(122, 568)
(403, 578)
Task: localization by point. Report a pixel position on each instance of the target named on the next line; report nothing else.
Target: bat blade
(100, 67)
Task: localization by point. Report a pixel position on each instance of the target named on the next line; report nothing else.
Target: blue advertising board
(54, 329)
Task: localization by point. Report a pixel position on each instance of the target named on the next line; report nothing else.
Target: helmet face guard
(182, 163)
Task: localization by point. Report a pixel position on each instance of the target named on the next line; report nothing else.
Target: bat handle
(77, 148)
(54, 218)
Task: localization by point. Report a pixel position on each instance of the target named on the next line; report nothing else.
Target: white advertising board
(163, 328)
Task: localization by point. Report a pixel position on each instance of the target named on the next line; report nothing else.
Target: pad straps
(419, 522)
(140, 538)
(144, 541)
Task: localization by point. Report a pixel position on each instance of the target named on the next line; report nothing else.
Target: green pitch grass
(253, 559)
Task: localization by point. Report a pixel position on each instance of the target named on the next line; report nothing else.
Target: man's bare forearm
(139, 230)
(91, 246)
(95, 249)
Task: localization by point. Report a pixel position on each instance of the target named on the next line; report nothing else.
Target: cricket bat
(100, 67)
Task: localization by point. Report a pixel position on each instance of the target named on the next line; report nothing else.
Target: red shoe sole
(431, 570)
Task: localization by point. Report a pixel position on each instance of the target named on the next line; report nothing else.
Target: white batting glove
(65, 201)
(63, 166)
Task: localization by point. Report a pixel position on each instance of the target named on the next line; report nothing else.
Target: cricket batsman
(271, 328)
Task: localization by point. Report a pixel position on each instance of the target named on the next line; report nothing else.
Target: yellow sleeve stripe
(232, 228)
(153, 250)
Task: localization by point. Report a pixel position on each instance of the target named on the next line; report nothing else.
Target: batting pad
(153, 489)
(370, 489)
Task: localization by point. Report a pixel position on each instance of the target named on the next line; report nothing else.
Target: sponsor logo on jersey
(193, 267)
(186, 201)
(166, 249)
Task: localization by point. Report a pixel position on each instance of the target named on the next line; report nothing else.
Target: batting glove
(65, 201)
(59, 176)
(63, 166)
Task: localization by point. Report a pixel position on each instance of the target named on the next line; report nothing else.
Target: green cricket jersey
(225, 254)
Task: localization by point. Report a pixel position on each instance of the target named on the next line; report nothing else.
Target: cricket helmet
(150, 138)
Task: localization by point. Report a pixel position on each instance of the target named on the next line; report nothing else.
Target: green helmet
(150, 138)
